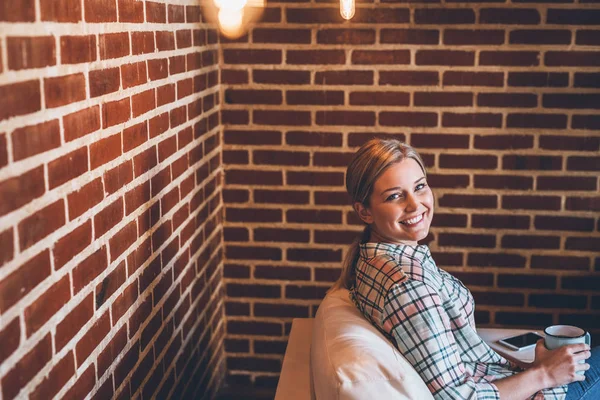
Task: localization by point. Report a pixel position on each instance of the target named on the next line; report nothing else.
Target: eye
(394, 196)
(420, 186)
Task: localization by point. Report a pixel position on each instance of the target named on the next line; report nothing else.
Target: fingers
(582, 367)
(576, 348)
(583, 355)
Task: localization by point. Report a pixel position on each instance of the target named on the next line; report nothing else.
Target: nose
(411, 202)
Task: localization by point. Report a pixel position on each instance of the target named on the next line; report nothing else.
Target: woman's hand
(560, 365)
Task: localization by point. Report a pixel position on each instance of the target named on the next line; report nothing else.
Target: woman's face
(400, 206)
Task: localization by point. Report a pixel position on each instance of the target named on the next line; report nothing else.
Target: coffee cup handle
(588, 339)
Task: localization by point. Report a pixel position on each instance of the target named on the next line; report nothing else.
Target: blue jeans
(590, 388)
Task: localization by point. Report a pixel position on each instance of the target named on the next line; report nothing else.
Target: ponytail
(348, 276)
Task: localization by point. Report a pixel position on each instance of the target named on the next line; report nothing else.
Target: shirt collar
(373, 249)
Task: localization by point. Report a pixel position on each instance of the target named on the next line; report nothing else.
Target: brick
(77, 49)
(582, 243)
(113, 45)
(314, 178)
(538, 79)
(474, 279)
(587, 37)
(165, 94)
(559, 223)
(115, 112)
(19, 99)
(473, 37)
(472, 120)
(444, 57)
(530, 242)
(572, 58)
(27, 367)
(446, 181)
(466, 240)
(536, 281)
(158, 69)
(503, 182)
(585, 122)
(443, 99)
(193, 13)
(85, 198)
(256, 363)
(355, 118)
(305, 291)
(313, 216)
(583, 203)
(410, 36)
(275, 117)
(108, 217)
(105, 150)
(131, 11)
(185, 88)
(345, 36)
(571, 101)
(104, 81)
(6, 246)
(25, 12)
(560, 262)
(144, 161)
(122, 240)
(39, 225)
(235, 117)
(498, 100)
(587, 80)
(137, 197)
(100, 10)
(557, 301)
(321, 57)
(409, 78)
(500, 221)
(508, 16)
(509, 58)
(3, 149)
(167, 148)
(47, 305)
(156, 12)
(464, 78)
(92, 338)
(142, 43)
(133, 74)
(383, 57)
(74, 321)
(280, 77)
(11, 338)
(444, 16)
(238, 96)
(573, 17)
(545, 163)
(272, 35)
(64, 90)
(256, 56)
(334, 159)
(160, 181)
(178, 116)
(540, 37)
(281, 235)
(35, 139)
(252, 215)
(83, 385)
(60, 10)
(143, 102)
(548, 121)
(176, 13)
(134, 136)
(23, 280)
(30, 52)
(503, 142)
(499, 299)
(424, 119)
(81, 123)
(323, 139)
(531, 202)
(468, 201)
(566, 183)
(252, 137)
(67, 167)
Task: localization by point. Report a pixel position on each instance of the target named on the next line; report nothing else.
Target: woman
(427, 313)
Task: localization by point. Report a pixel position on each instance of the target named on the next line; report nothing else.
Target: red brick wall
(110, 200)
(502, 100)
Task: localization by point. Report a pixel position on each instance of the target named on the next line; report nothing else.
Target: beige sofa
(340, 355)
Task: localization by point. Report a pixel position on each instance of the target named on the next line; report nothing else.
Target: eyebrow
(398, 187)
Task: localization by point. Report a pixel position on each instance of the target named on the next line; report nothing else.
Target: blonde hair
(369, 162)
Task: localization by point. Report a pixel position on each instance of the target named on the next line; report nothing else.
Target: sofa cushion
(351, 359)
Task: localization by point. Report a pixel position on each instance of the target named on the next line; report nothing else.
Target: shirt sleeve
(415, 315)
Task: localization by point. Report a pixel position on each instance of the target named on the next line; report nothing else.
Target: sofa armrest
(295, 379)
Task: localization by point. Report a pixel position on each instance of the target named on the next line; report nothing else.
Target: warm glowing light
(347, 9)
(230, 21)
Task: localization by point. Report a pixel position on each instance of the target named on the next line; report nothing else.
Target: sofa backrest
(351, 359)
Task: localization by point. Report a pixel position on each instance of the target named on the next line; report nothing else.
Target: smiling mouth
(413, 221)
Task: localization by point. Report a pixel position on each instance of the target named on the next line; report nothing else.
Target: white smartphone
(521, 342)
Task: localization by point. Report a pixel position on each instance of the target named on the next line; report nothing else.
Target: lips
(412, 221)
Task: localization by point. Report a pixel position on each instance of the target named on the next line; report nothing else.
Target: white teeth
(412, 220)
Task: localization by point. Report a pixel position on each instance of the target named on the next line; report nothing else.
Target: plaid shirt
(429, 315)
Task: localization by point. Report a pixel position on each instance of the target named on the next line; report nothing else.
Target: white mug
(562, 335)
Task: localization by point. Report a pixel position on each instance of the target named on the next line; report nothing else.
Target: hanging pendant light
(233, 17)
(347, 9)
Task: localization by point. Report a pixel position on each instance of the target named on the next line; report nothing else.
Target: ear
(363, 213)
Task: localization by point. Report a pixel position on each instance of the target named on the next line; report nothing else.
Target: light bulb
(230, 21)
(347, 9)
